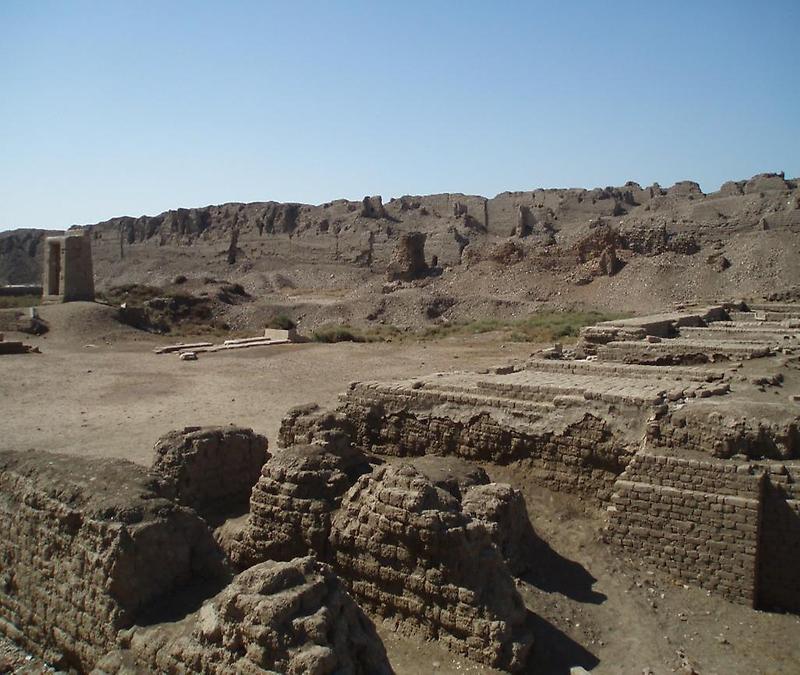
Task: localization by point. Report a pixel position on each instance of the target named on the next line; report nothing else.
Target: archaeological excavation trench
(232, 554)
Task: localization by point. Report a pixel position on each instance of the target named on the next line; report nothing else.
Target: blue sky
(129, 108)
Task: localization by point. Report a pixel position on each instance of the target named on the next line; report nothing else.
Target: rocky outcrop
(718, 262)
(293, 501)
(211, 469)
(287, 617)
(87, 547)
(411, 555)
(408, 258)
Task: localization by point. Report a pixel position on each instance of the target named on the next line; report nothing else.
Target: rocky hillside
(626, 248)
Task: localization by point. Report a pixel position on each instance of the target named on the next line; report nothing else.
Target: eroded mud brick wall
(288, 617)
(209, 468)
(85, 547)
(584, 456)
(411, 555)
(695, 519)
(779, 566)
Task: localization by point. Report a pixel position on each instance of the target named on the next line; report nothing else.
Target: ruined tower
(68, 273)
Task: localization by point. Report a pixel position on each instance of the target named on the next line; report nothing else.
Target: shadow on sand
(556, 574)
(554, 652)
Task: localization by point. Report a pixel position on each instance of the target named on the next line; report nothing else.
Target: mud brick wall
(779, 573)
(694, 519)
(86, 546)
(713, 432)
(309, 423)
(411, 555)
(209, 468)
(292, 503)
(585, 457)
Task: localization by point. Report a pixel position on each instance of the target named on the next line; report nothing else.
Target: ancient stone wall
(86, 546)
(289, 617)
(695, 519)
(68, 273)
(409, 554)
(210, 468)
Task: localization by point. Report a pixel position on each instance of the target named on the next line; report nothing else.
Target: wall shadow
(554, 652)
(553, 573)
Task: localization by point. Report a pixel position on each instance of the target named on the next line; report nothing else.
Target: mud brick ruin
(210, 469)
(68, 274)
(292, 617)
(676, 423)
(87, 547)
(677, 426)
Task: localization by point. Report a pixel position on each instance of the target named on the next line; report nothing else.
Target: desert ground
(97, 389)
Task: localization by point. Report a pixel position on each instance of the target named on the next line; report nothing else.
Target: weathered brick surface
(292, 503)
(209, 468)
(287, 617)
(727, 431)
(693, 519)
(584, 457)
(409, 554)
(86, 546)
(731, 527)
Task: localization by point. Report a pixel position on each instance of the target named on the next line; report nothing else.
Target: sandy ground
(116, 397)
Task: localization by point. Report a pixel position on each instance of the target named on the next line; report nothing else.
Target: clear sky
(128, 108)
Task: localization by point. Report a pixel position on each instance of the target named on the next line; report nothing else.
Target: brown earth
(97, 389)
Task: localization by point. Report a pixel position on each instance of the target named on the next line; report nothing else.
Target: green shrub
(333, 333)
(281, 322)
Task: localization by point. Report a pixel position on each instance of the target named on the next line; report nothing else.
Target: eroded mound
(410, 555)
(288, 617)
(292, 503)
